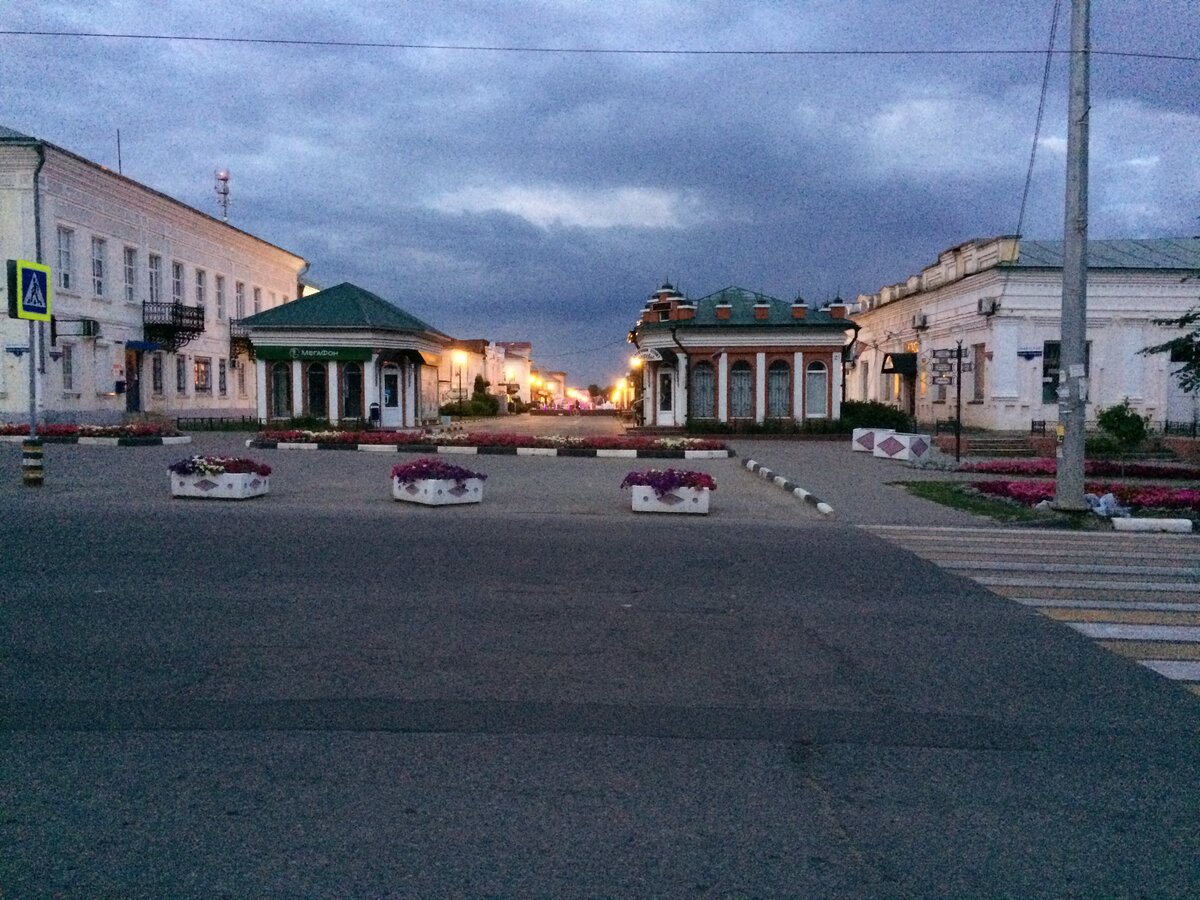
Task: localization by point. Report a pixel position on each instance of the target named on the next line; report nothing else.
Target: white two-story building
(146, 293)
(1002, 298)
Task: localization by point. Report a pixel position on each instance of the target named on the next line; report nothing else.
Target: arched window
(281, 390)
(352, 388)
(702, 393)
(816, 391)
(318, 390)
(741, 391)
(779, 376)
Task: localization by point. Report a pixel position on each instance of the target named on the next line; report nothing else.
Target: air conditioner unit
(987, 306)
(89, 328)
(919, 321)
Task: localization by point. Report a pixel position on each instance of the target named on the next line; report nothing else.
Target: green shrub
(871, 414)
(1125, 427)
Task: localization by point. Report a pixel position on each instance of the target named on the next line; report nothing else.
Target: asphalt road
(326, 693)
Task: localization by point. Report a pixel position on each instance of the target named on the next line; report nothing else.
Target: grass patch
(959, 496)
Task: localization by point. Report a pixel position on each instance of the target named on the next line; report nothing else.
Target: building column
(1132, 366)
(681, 391)
(412, 377)
(760, 386)
(297, 388)
(798, 386)
(331, 389)
(835, 390)
(262, 407)
(371, 387)
(723, 388)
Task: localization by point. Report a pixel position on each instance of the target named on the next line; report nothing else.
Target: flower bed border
(167, 440)
(485, 450)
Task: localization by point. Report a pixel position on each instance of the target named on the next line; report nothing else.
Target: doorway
(133, 380)
(391, 414)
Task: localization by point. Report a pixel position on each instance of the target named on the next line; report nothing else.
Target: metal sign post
(958, 353)
(29, 298)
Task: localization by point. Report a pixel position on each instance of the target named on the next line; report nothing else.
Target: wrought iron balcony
(239, 339)
(171, 325)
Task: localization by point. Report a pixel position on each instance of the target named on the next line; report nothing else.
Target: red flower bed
(1139, 496)
(1093, 467)
(58, 429)
(491, 439)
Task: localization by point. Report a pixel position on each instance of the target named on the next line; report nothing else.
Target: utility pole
(1072, 381)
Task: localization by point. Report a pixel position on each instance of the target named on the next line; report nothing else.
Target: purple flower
(664, 481)
(432, 468)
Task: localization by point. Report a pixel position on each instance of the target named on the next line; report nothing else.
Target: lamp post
(460, 358)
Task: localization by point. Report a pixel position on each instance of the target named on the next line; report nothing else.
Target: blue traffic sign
(28, 290)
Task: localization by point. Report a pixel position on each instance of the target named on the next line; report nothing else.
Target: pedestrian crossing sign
(28, 290)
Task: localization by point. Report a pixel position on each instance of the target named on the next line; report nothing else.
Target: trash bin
(373, 414)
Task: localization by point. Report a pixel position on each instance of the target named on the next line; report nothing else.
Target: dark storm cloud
(542, 196)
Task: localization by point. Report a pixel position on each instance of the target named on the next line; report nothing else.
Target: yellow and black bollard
(31, 462)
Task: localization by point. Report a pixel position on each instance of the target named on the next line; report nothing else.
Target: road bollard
(31, 463)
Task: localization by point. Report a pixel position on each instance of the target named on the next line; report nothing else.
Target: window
(702, 396)
(219, 287)
(741, 391)
(155, 278)
(666, 391)
(318, 391)
(241, 379)
(202, 375)
(177, 282)
(258, 300)
(68, 367)
(181, 374)
(66, 246)
(1051, 361)
(978, 367)
(130, 275)
(99, 252)
(352, 391)
(281, 390)
(222, 378)
(779, 376)
(239, 300)
(201, 288)
(156, 373)
(816, 391)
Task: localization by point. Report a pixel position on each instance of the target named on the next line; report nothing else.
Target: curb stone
(450, 449)
(779, 481)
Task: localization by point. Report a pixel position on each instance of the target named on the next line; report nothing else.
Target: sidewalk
(860, 488)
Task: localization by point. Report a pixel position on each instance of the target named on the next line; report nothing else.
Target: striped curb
(456, 449)
(100, 441)
(763, 472)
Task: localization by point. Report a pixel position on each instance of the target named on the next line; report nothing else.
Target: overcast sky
(542, 196)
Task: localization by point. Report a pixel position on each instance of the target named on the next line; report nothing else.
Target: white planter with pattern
(864, 439)
(907, 447)
(227, 486)
(438, 491)
(680, 500)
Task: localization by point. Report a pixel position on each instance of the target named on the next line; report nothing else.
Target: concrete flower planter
(864, 440)
(226, 486)
(680, 500)
(438, 491)
(907, 447)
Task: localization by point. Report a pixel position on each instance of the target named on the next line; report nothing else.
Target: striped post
(31, 462)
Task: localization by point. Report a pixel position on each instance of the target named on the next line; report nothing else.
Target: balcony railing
(171, 324)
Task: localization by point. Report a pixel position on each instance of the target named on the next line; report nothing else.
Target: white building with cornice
(146, 293)
(1001, 299)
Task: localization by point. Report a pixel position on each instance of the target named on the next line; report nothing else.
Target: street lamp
(460, 358)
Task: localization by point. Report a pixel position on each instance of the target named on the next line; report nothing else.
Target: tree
(1184, 349)
(595, 391)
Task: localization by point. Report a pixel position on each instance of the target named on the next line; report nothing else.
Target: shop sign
(314, 354)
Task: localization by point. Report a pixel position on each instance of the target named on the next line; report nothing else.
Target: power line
(577, 51)
(1037, 128)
